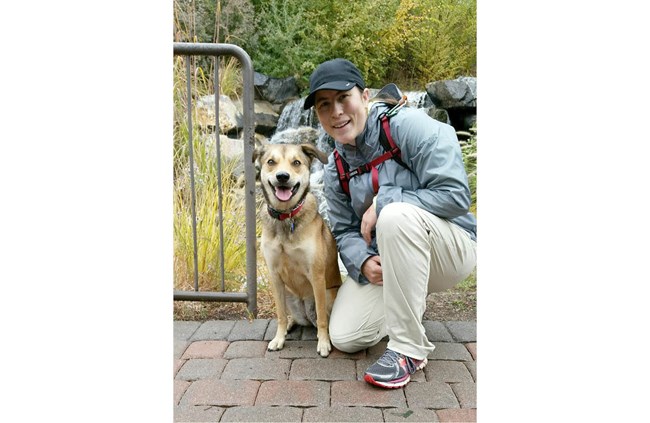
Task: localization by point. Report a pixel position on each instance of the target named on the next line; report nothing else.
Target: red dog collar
(282, 216)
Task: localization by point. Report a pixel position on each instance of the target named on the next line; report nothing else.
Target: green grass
(469, 284)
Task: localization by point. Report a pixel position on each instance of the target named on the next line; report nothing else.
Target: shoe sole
(392, 385)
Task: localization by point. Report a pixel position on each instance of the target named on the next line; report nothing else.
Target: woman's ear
(365, 95)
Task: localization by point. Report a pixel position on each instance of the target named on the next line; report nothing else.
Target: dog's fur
(300, 251)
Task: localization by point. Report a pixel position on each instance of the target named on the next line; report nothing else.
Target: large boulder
(449, 94)
(231, 149)
(457, 98)
(275, 90)
(229, 116)
(265, 118)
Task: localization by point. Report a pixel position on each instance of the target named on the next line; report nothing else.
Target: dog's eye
(270, 162)
(296, 163)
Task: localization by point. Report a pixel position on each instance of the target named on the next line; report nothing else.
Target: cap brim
(334, 85)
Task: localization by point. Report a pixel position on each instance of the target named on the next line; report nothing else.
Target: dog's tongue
(283, 194)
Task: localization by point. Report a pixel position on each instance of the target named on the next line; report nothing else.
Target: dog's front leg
(277, 343)
(322, 318)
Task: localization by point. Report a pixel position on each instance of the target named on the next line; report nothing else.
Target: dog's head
(285, 170)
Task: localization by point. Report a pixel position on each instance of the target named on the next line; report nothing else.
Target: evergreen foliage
(409, 42)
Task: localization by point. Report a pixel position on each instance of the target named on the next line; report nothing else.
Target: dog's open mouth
(285, 193)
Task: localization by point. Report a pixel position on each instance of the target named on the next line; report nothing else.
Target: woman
(403, 231)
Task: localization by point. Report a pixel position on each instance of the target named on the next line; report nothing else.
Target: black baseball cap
(335, 74)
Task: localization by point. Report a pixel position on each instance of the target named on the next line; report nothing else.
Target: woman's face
(342, 114)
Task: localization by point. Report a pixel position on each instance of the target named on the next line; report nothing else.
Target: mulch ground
(452, 305)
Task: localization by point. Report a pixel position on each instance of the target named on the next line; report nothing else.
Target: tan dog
(298, 247)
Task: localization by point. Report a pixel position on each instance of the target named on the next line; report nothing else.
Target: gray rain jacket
(436, 181)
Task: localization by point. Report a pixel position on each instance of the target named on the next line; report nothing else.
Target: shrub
(442, 40)
(287, 44)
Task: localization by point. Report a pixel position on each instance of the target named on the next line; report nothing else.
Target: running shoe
(393, 370)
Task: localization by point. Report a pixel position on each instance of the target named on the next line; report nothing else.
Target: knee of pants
(346, 342)
(391, 218)
(354, 342)
(349, 347)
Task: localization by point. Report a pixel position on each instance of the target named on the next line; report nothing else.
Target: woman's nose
(337, 109)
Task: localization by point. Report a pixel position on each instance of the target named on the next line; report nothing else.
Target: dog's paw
(324, 348)
(276, 344)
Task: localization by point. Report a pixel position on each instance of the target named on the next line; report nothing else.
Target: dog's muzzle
(284, 192)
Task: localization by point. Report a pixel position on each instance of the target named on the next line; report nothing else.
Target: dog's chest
(291, 263)
(280, 253)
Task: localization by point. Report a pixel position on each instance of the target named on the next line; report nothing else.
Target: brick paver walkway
(223, 373)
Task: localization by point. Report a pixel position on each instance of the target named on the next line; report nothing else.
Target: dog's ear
(258, 151)
(313, 152)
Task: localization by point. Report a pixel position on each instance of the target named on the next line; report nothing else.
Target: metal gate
(250, 296)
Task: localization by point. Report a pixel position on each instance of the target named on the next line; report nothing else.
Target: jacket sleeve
(346, 226)
(431, 150)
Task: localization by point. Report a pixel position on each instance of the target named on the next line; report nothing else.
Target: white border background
(87, 210)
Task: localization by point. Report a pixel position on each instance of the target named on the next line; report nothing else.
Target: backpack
(386, 95)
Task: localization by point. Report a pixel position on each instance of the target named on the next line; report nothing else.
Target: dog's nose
(282, 176)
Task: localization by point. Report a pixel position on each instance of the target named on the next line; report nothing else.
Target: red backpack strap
(342, 169)
(385, 124)
(375, 180)
(387, 141)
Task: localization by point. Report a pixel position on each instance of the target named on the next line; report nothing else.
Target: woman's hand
(368, 223)
(371, 269)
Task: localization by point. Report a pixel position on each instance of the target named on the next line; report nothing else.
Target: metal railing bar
(249, 176)
(240, 297)
(217, 136)
(250, 297)
(191, 151)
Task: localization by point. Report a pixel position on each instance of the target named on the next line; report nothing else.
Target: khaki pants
(420, 253)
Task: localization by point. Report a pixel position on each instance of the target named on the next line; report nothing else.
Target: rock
(231, 149)
(265, 118)
(460, 92)
(275, 90)
(229, 116)
(439, 115)
(458, 98)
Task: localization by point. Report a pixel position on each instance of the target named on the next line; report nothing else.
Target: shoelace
(389, 357)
